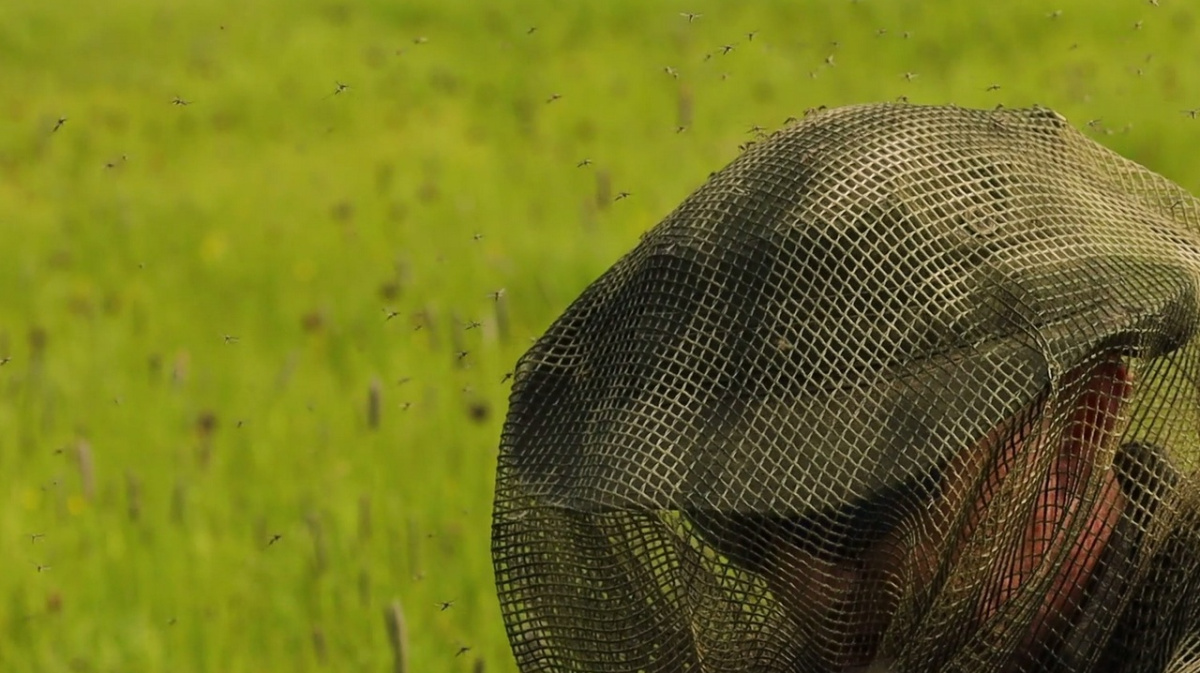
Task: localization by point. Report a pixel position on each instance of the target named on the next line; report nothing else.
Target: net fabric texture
(902, 388)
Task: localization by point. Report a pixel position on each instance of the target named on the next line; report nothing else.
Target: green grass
(237, 258)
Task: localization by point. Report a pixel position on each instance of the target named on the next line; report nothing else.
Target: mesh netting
(902, 388)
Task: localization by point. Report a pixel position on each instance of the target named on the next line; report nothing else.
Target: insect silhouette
(445, 605)
(993, 87)
(339, 88)
(230, 339)
(462, 354)
(1192, 113)
(622, 196)
(496, 294)
(180, 102)
(553, 97)
(690, 16)
(36, 536)
(58, 124)
(507, 377)
(531, 31)
(274, 538)
(671, 71)
(390, 314)
(583, 162)
(462, 650)
(477, 236)
(750, 35)
(7, 358)
(725, 49)
(473, 324)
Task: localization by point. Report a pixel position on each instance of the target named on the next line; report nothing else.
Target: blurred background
(265, 267)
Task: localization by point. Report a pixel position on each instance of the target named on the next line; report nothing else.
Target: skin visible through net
(848, 605)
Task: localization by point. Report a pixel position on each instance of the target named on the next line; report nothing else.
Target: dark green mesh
(902, 388)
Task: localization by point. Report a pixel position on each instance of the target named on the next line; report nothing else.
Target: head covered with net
(902, 388)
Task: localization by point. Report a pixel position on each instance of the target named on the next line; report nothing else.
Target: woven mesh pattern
(902, 388)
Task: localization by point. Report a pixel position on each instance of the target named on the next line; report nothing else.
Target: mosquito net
(902, 388)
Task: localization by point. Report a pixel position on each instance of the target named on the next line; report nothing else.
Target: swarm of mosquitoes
(496, 299)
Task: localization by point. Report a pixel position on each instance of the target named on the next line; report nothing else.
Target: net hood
(876, 313)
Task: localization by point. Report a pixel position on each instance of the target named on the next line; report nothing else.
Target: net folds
(901, 388)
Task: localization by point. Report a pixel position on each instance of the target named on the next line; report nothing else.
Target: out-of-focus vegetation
(264, 267)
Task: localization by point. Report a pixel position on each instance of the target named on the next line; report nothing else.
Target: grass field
(226, 223)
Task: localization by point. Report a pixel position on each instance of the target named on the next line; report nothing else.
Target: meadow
(265, 266)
